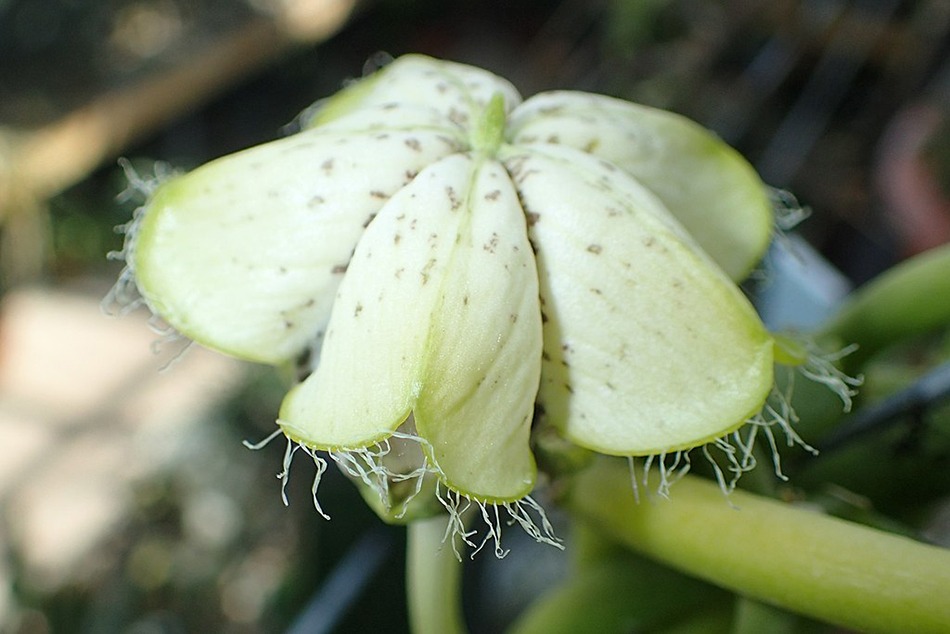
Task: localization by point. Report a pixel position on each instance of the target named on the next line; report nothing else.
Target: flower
(447, 258)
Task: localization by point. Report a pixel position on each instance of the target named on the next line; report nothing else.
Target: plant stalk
(433, 580)
(836, 571)
(910, 299)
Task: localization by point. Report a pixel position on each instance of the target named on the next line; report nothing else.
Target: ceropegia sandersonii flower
(451, 260)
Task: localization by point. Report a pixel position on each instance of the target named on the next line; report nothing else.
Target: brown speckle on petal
(427, 270)
(453, 198)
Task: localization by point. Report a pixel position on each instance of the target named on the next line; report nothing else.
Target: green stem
(829, 569)
(433, 580)
(911, 298)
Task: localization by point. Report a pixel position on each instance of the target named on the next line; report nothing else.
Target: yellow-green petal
(648, 348)
(703, 182)
(437, 316)
(244, 254)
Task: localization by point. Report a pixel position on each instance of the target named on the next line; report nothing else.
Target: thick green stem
(822, 567)
(433, 580)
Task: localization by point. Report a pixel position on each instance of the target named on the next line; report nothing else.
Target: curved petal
(437, 315)
(703, 182)
(648, 347)
(457, 91)
(244, 254)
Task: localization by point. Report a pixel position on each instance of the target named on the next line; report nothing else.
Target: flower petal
(457, 91)
(438, 315)
(703, 182)
(244, 254)
(648, 346)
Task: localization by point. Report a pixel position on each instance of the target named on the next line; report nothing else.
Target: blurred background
(128, 502)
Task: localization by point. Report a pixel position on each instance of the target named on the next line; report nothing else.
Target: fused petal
(437, 316)
(244, 254)
(702, 181)
(647, 347)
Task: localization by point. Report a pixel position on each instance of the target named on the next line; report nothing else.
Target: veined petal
(702, 181)
(459, 92)
(438, 316)
(648, 348)
(244, 254)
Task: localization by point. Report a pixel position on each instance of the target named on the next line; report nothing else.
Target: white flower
(453, 257)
